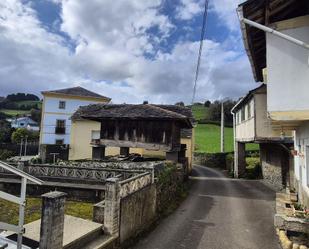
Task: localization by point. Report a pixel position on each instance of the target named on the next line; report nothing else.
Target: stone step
(105, 241)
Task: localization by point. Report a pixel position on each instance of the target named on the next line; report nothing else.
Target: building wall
(301, 162)
(288, 74)
(245, 126)
(274, 162)
(51, 112)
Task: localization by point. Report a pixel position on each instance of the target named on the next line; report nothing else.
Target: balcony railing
(60, 130)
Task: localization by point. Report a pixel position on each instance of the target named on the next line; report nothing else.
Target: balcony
(60, 130)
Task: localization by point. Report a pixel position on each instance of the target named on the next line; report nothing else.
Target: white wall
(52, 113)
(288, 72)
(301, 161)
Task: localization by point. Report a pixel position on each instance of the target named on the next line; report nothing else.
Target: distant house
(282, 63)
(24, 122)
(57, 109)
(251, 125)
(169, 127)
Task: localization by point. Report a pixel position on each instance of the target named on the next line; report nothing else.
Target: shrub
(253, 169)
(229, 162)
(5, 154)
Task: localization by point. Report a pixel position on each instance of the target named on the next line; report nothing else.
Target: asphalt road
(219, 213)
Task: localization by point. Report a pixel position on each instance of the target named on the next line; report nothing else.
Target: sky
(128, 50)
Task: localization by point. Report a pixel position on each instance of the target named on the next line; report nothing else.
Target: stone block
(98, 212)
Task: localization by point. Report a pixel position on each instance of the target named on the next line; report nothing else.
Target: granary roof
(76, 91)
(100, 112)
(266, 12)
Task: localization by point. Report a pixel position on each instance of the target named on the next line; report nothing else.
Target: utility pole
(21, 147)
(222, 126)
(26, 140)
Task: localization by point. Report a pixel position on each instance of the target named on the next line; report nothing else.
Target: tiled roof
(76, 91)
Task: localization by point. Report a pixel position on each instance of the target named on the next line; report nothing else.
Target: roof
(262, 88)
(100, 112)
(30, 120)
(76, 91)
(266, 12)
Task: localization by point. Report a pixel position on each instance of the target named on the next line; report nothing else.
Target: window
(60, 126)
(243, 114)
(61, 104)
(59, 141)
(249, 109)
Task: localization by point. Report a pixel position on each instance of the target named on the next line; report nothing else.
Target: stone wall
(274, 162)
(213, 160)
(138, 211)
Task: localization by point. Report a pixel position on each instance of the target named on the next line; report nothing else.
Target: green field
(200, 112)
(207, 139)
(9, 210)
(28, 102)
(14, 112)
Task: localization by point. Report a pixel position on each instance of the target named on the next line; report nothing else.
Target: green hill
(199, 112)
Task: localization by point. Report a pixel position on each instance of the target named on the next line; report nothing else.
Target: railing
(134, 184)
(21, 201)
(75, 173)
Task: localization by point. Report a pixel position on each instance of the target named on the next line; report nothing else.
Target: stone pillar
(98, 212)
(52, 220)
(112, 206)
(240, 159)
(124, 151)
(172, 156)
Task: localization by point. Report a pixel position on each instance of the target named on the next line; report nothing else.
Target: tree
(207, 103)
(215, 111)
(22, 133)
(5, 131)
(181, 103)
(36, 115)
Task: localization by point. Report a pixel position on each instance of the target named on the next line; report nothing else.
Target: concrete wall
(288, 73)
(138, 211)
(245, 131)
(301, 162)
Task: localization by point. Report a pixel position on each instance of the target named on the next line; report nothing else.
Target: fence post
(112, 207)
(52, 220)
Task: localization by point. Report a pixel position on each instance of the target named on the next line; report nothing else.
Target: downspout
(270, 30)
(234, 140)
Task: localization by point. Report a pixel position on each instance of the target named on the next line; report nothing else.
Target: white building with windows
(283, 59)
(57, 109)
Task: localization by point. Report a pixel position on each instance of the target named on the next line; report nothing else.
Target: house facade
(251, 125)
(57, 109)
(86, 133)
(24, 122)
(284, 59)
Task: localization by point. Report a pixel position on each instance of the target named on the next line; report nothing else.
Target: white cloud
(189, 8)
(226, 11)
(111, 40)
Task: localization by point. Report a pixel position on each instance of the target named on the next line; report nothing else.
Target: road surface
(219, 213)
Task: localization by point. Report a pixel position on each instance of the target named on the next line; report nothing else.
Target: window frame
(62, 104)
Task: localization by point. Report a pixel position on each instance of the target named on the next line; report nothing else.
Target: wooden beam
(131, 144)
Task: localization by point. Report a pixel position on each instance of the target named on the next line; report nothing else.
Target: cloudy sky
(129, 50)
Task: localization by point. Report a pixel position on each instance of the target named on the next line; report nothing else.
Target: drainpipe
(271, 31)
(234, 140)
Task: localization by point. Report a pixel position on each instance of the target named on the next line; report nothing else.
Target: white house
(24, 122)
(57, 109)
(283, 57)
(251, 125)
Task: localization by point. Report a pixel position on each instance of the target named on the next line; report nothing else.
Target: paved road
(219, 213)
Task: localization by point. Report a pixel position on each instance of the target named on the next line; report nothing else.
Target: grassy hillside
(14, 112)
(28, 103)
(200, 112)
(207, 139)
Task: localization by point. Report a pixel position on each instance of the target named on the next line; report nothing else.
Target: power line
(200, 50)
